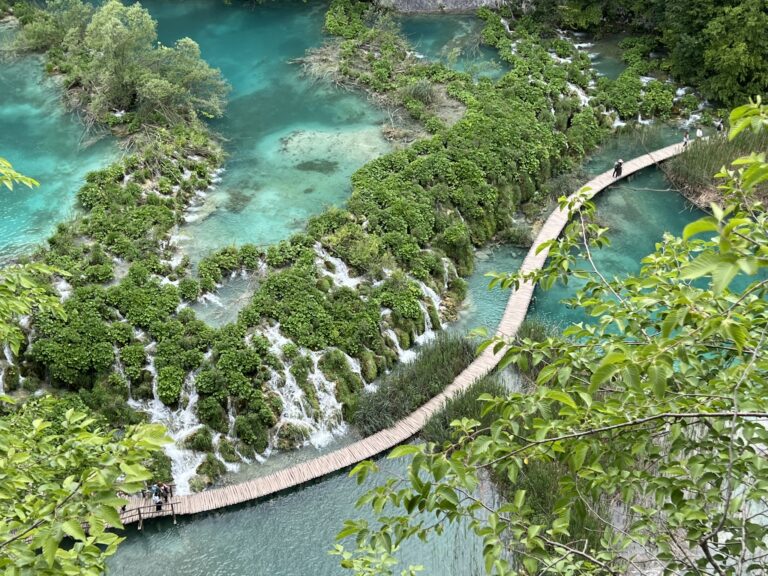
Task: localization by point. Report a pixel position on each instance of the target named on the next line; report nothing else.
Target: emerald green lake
(45, 142)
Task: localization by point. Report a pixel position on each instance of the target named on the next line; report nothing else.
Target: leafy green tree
(61, 472)
(655, 414)
(9, 176)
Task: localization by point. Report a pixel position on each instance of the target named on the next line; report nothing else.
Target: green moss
(211, 468)
(227, 451)
(201, 440)
(291, 436)
(348, 384)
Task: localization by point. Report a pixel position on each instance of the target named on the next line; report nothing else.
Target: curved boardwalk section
(514, 314)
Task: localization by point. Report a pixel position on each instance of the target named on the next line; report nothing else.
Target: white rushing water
(340, 271)
(5, 365)
(323, 424)
(180, 424)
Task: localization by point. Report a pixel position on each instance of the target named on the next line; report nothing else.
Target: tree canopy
(652, 418)
(113, 63)
(60, 472)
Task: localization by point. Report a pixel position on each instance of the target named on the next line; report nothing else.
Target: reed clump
(693, 172)
(409, 386)
(465, 404)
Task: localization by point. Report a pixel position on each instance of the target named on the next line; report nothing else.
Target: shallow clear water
(454, 40)
(606, 55)
(287, 535)
(47, 143)
(292, 144)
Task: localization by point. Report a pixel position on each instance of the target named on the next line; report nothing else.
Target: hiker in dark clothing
(617, 168)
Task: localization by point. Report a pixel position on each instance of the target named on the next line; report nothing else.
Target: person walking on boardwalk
(157, 502)
(699, 133)
(617, 168)
(164, 491)
(686, 139)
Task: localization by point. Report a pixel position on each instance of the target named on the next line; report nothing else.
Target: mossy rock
(142, 392)
(291, 436)
(404, 338)
(201, 440)
(227, 451)
(11, 378)
(434, 317)
(324, 284)
(211, 467)
(199, 483)
(368, 366)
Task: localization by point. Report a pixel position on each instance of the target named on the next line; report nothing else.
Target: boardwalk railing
(513, 317)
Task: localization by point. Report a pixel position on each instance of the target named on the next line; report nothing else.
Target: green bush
(200, 440)
(169, 382)
(251, 431)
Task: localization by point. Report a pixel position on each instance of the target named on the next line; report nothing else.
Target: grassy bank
(693, 172)
(410, 385)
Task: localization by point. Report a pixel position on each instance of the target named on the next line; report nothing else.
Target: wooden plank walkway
(513, 317)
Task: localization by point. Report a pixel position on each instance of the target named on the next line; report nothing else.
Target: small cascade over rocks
(5, 365)
(580, 93)
(319, 416)
(339, 272)
(180, 423)
(404, 356)
(63, 287)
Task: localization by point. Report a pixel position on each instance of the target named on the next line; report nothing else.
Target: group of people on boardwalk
(159, 493)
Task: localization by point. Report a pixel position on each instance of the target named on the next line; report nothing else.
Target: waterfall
(324, 425)
(4, 366)
(429, 334)
(179, 423)
(120, 369)
(230, 466)
(403, 356)
(340, 275)
(63, 287)
(583, 98)
(209, 298)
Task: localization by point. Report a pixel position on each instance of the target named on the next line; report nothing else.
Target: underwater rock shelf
(514, 314)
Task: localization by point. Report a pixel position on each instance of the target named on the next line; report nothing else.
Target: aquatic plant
(409, 386)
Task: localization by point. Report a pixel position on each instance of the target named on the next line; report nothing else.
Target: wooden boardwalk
(513, 317)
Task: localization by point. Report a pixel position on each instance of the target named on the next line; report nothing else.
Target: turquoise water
(454, 40)
(287, 535)
(292, 143)
(43, 141)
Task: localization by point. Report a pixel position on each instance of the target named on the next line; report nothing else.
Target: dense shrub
(169, 382)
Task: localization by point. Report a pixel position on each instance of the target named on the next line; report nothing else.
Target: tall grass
(693, 172)
(410, 385)
(462, 405)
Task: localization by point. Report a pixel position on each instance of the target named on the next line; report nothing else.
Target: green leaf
(658, 380)
(702, 265)
(72, 528)
(578, 456)
(561, 397)
(707, 224)
(405, 450)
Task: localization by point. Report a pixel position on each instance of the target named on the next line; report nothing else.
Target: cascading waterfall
(340, 274)
(5, 365)
(403, 356)
(325, 423)
(120, 369)
(180, 423)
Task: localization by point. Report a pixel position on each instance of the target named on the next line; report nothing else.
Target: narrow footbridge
(138, 510)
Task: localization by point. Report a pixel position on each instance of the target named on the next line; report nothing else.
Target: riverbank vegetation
(657, 427)
(409, 386)
(718, 46)
(693, 172)
(336, 305)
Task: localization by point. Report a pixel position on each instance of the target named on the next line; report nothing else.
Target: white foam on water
(340, 275)
(404, 356)
(179, 423)
(63, 287)
(579, 91)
